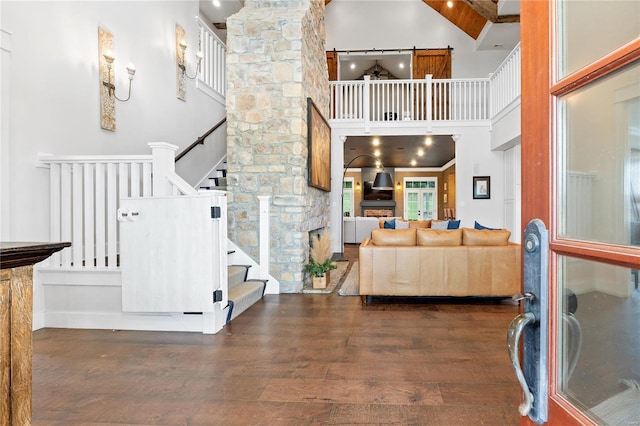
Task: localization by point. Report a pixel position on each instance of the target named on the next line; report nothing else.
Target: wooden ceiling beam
(486, 8)
(489, 10)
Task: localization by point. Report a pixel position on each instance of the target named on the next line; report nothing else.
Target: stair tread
(245, 287)
(236, 274)
(243, 296)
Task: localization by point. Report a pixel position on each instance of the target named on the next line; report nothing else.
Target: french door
(581, 178)
(420, 198)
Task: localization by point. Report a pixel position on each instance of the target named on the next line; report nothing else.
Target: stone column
(275, 60)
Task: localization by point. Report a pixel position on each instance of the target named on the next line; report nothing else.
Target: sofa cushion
(439, 224)
(393, 237)
(420, 223)
(485, 237)
(439, 237)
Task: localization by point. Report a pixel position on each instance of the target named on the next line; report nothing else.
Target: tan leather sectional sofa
(431, 262)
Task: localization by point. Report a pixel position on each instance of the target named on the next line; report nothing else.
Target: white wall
(54, 91)
(474, 157)
(370, 24)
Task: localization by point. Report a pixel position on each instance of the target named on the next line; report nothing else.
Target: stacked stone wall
(275, 60)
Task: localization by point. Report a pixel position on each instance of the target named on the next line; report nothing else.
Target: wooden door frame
(539, 171)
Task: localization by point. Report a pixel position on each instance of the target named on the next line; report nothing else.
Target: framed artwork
(445, 198)
(481, 187)
(319, 148)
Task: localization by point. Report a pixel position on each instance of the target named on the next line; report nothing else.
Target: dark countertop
(14, 254)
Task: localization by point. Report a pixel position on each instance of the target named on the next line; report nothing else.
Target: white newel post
(366, 107)
(265, 237)
(164, 163)
(429, 116)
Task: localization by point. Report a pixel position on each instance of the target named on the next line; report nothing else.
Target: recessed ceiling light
(376, 142)
(420, 153)
(353, 66)
(216, 3)
(428, 141)
(401, 65)
(377, 153)
(449, 4)
(413, 162)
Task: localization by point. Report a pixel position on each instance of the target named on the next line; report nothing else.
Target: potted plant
(320, 262)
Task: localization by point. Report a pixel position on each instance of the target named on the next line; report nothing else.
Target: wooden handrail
(201, 139)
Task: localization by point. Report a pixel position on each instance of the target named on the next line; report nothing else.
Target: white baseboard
(127, 321)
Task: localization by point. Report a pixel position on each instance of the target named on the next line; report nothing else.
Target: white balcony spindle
(100, 221)
(65, 213)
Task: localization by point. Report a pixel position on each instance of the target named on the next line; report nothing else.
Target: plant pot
(321, 282)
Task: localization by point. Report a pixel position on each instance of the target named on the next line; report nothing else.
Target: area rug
(335, 275)
(622, 409)
(351, 284)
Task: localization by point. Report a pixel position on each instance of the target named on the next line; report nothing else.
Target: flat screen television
(376, 194)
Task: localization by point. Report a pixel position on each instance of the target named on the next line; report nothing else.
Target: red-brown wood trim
(563, 413)
(615, 60)
(536, 112)
(536, 121)
(625, 256)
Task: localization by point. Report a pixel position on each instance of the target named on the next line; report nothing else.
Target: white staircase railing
(212, 78)
(505, 82)
(85, 193)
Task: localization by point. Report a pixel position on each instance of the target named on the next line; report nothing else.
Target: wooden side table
(16, 319)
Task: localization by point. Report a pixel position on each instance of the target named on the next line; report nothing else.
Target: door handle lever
(513, 339)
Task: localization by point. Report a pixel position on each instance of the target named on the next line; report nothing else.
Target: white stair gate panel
(166, 254)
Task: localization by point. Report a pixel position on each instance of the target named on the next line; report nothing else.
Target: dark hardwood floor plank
(291, 359)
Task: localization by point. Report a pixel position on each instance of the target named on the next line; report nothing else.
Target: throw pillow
(485, 237)
(439, 237)
(420, 223)
(476, 225)
(390, 224)
(400, 224)
(439, 224)
(454, 224)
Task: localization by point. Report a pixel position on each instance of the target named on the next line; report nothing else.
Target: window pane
(346, 202)
(348, 184)
(589, 29)
(598, 339)
(412, 206)
(599, 154)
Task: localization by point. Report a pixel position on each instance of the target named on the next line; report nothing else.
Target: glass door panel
(601, 162)
(427, 205)
(593, 28)
(411, 201)
(599, 340)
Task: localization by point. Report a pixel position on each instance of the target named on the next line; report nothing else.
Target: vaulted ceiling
(469, 15)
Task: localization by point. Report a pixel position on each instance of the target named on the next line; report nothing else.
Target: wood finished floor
(291, 359)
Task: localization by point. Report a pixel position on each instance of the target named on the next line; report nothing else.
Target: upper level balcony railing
(212, 78)
(426, 100)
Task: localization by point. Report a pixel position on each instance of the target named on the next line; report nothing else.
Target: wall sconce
(357, 186)
(108, 59)
(182, 64)
(398, 186)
